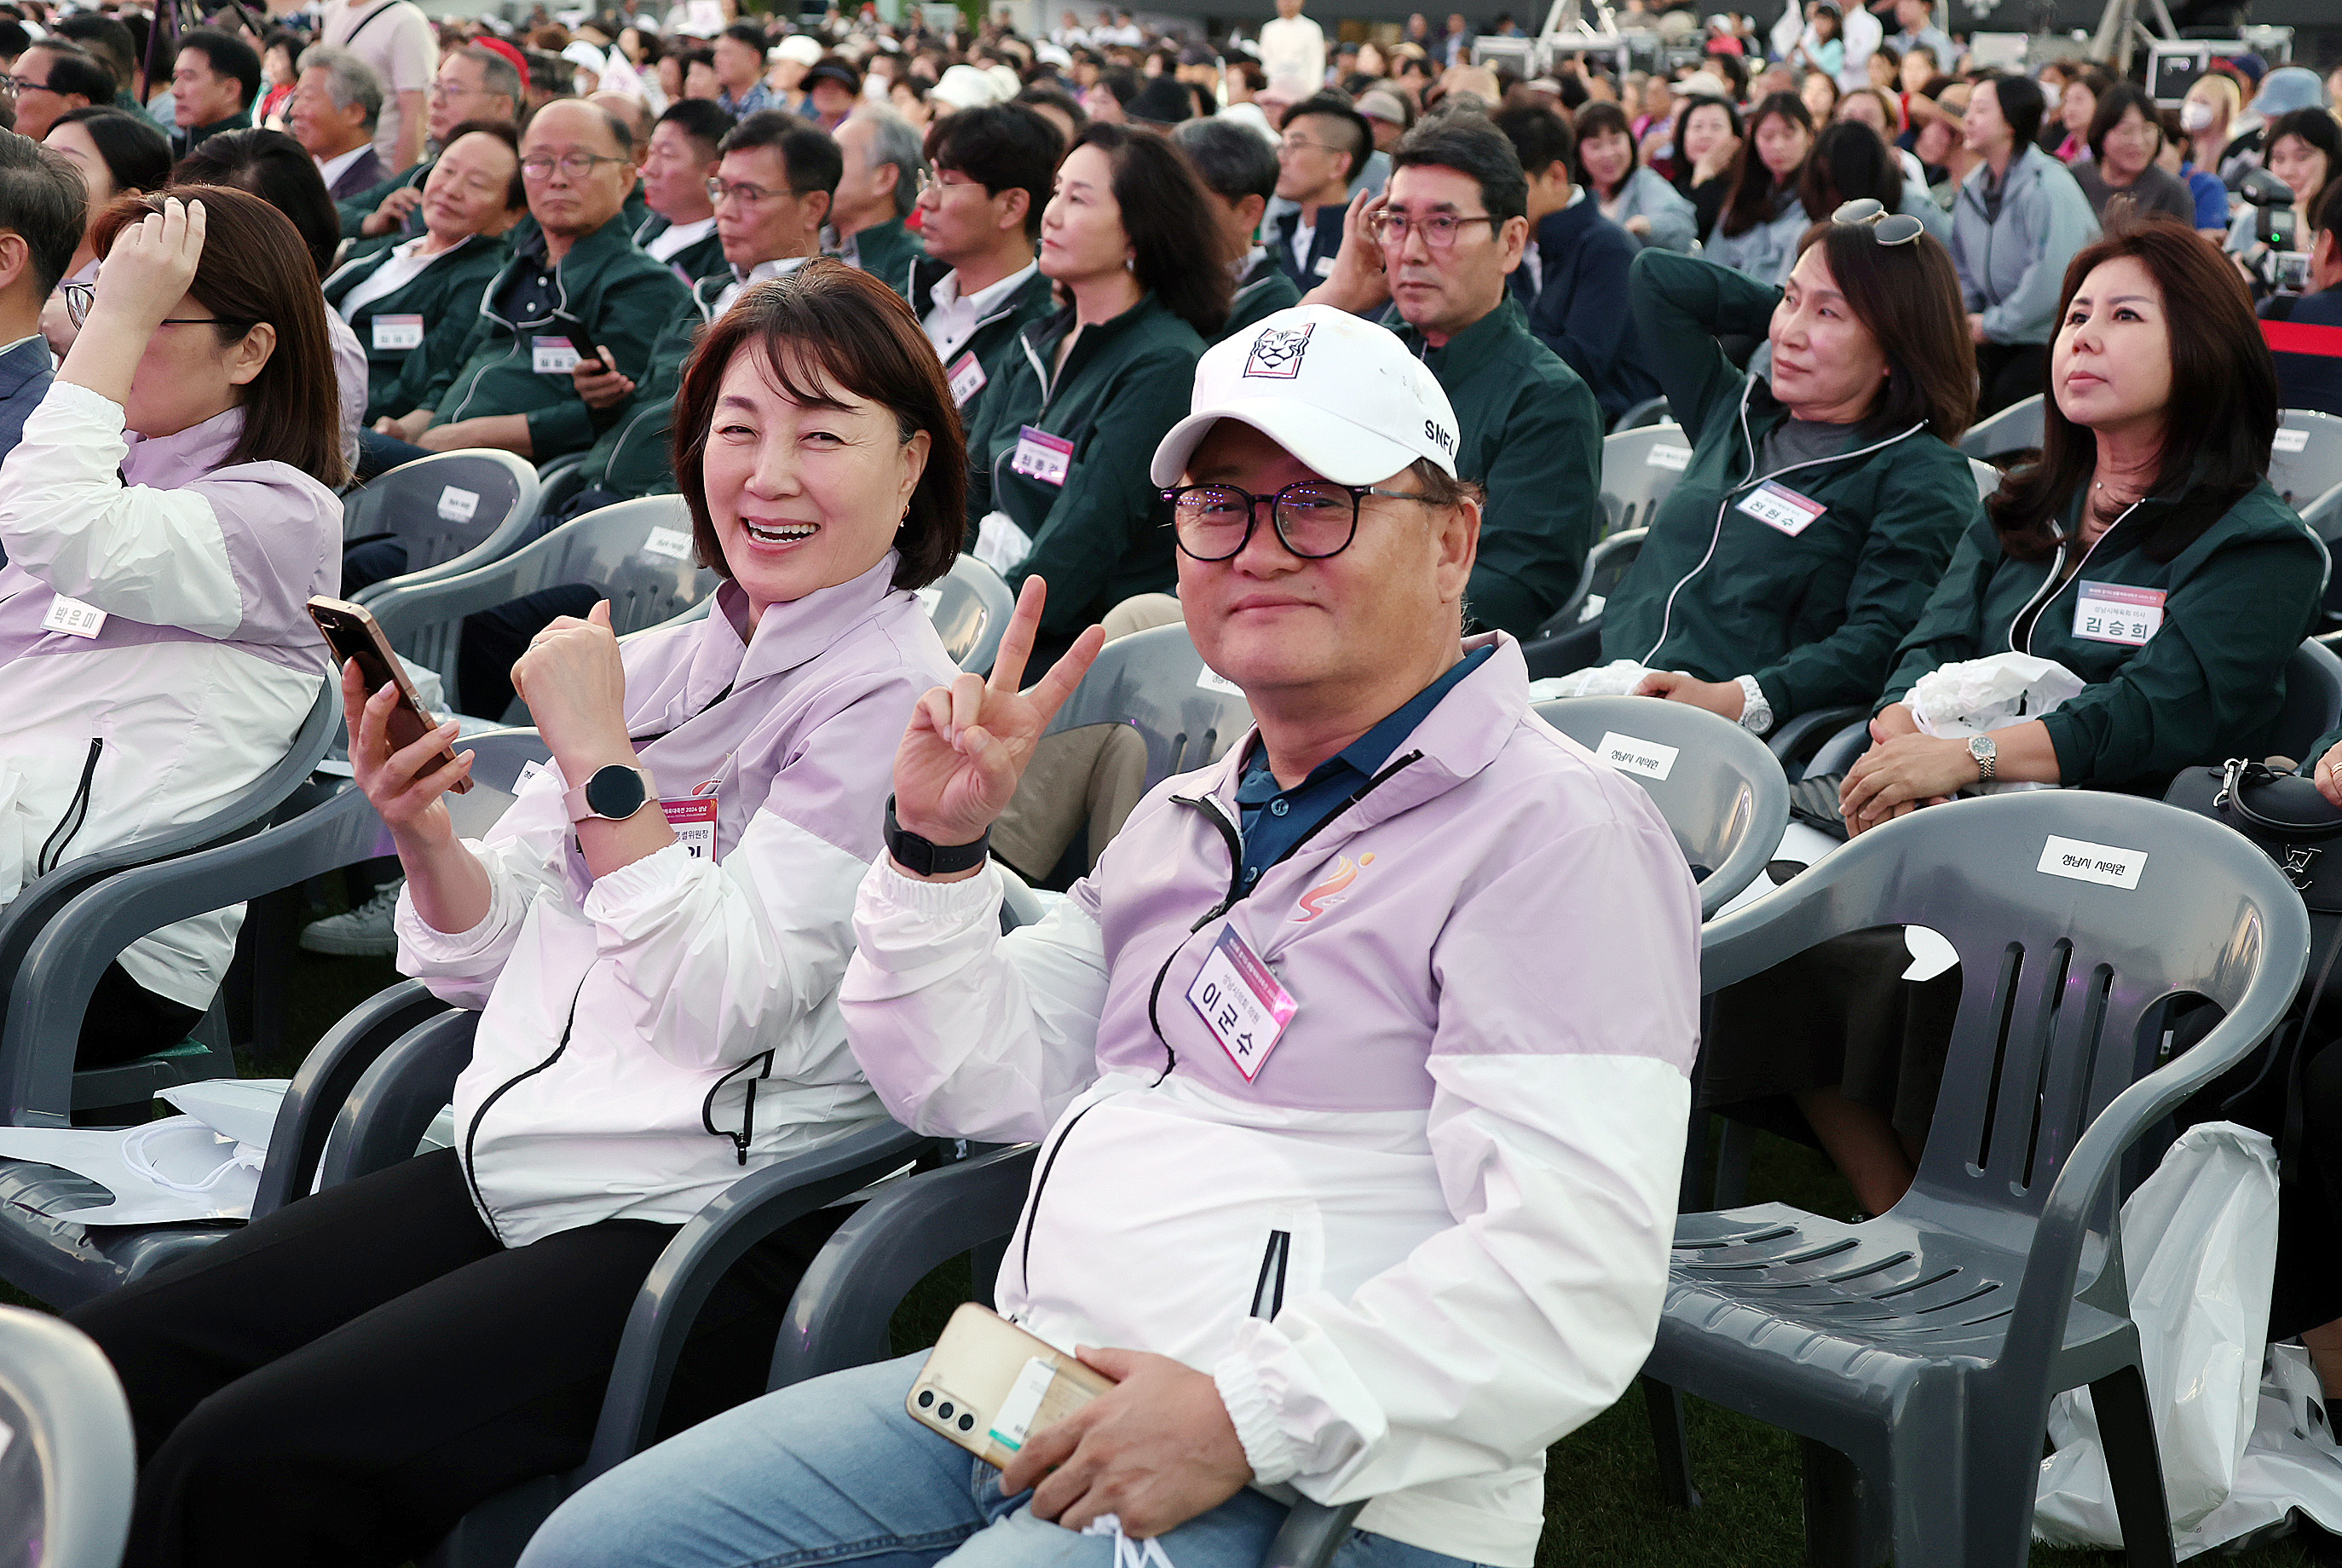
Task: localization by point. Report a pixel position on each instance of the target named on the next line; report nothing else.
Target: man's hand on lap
(1154, 1451)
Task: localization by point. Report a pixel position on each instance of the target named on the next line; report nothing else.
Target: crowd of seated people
(1308, 350)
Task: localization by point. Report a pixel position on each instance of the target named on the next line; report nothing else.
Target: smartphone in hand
(988, 1385)
(353, 633)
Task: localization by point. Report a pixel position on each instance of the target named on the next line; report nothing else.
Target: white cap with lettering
(1343, 395)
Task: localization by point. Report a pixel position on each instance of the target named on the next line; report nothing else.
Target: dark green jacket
(2204, 688)
(356, 209)
(703, 258)
(1530, 432)
(1105, 534)
(609, 294)
(1816, 618)
(184, 142)
(446, 294)
(994, 341)
(887, 252)
(1265, 290)
(634, 456)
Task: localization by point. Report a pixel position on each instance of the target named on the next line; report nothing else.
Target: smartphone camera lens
(926, 1397)
(944, 1410)
(967, 1423)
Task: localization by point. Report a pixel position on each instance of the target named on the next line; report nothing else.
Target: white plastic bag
(1974, 696)
(2199, 1246)
(202, 1165)
(1618, 678)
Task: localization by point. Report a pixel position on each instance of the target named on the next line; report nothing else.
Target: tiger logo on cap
(1276, 352)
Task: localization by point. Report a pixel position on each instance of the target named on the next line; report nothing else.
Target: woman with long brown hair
(1762, 219)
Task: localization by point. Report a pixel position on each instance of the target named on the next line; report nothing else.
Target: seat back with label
(1155, 682)
(1640, 468)
(453, 511)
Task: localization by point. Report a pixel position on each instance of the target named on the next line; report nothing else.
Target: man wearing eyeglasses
(978, 285)
(480, 81)
(1439, 246)
(1358, 1064)
(577, 285)
(1324, 146)
(49, 79)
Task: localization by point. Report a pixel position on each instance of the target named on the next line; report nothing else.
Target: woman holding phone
(655, 933)
(166, 515)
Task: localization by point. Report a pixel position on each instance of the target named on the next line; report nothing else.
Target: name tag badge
(1777, 506)
(2117, 613)
(669, 543)
(552, 355)
(1323, 266)
(1043, 457)
(73, 618)
(391, 332)
(966, 376)
(1241, 1003)
(693, 817)
(1000, 544)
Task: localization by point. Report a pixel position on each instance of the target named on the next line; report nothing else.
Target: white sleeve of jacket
(1568, 1016)
(523, 857)
(964, 1032)
(152, 555)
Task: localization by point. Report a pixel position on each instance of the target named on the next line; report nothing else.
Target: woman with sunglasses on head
(1821, 501)
(165, 518)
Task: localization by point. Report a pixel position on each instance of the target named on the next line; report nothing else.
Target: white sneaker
(364, 932)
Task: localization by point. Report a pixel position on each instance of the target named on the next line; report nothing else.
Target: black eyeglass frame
(79, 296)
(1358, 493)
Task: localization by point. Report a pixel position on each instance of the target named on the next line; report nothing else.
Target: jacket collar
(586, 257)
(1042, 337)
(168, 462)
(1477, 346)
(27, 361)
(787, 635)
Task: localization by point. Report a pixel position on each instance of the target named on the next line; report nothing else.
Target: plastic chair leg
(1835, 1506)
(2128, 1426)
(1671, 1442)
(1311, 1534)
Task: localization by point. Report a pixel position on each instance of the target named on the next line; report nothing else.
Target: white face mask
(2195, 116)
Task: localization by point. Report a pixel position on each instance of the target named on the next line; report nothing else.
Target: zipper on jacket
(741, 1139)
(1033, 1204)
(1269, 1291)
(472, 1134)
(76, 813)
(2055, 584)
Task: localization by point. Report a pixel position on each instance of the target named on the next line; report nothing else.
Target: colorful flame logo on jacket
(1329, 893)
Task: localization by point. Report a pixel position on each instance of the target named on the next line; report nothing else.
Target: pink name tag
(552, 355)
(693, 818)
(2117, 613)
(966, 376)
(1778, 506)
(1043, 457)
(1241, 1003)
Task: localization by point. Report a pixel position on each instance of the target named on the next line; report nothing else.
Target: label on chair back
(459, 505)
(1629, 755)
(2086, 862)
(673, 544)
(2291, 441)
(1208, 679)
(1675, 459)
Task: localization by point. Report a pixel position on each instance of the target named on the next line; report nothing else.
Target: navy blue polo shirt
(1274, 820)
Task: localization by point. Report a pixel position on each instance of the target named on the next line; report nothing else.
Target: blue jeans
(834, 1471)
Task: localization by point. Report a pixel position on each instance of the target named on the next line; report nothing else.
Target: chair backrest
(1723, 794)
(1606, 568)
(1155, 682)
(2306, 459)
(68, 1476)
(1987, 477)
(1650, 411)
(1640, 468)
(970, 607)
(2016, 428)
(2077, 915)
(451, 508)
(2313, 700)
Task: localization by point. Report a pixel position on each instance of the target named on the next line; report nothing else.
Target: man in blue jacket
(42, 200)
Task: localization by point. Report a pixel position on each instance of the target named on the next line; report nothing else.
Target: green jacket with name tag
(446, 294)
(2208, 683)
(1815, 617)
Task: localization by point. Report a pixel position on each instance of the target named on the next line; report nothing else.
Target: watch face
(614, 791)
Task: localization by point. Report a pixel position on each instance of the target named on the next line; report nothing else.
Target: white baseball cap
(805, 49)
(1343, 395)
(966, 87)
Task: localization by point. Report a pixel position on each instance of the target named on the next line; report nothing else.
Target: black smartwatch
(613, 793)
(923, 857)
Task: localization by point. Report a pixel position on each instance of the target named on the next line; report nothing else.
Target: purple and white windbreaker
(1430, 1237)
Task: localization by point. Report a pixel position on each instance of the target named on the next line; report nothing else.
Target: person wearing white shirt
(979, 213)
(396, 39)
(1293, 45)
(682, 158)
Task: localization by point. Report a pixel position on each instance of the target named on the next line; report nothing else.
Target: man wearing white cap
(1359, 1060)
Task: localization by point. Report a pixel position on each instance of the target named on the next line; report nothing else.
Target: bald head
(578, 162)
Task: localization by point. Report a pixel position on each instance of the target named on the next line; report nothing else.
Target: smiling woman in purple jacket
(166, 517)
(655, 932)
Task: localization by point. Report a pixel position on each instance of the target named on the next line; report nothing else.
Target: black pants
(341, 1382)
(126, 1021)
(492, 640)
(2009, 372)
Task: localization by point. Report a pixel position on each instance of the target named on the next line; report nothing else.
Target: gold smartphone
(354, 634)
(988, 1385)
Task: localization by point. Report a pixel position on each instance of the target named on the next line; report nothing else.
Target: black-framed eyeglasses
(1438, 230)
(1887, 228)
(79, 294)
(1313, 518)
(719, 193)
(576, 165)
(20, 85)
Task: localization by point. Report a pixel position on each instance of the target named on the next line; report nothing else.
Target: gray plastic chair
(452, 510)
(1987, 477)
(2300, 478)
(2017, 428)
(605, 550)
(1639, 470)
(1650, 411)
(1606, 568)
(1155, 682)
(1724, 795)
(67, 1479)
(1916, 1354)
(970, 608)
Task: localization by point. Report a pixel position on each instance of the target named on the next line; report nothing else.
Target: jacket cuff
(556, 432)
(894, 892)
(421, 944)
(619, 898)
(1266, 1448)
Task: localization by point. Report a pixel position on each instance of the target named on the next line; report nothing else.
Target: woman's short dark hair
(2022, 103)
(1848, 163)
(255, 268)
(1165, 211)
(826, 331)
(516, 193)
(1753, 191)
(137, 153)
(1600, 119)
(2218, 362)
(274, 167)
(1907, 297)
(2113, 105)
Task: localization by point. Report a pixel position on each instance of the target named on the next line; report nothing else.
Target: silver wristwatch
(1986, 755)
(1756, 713)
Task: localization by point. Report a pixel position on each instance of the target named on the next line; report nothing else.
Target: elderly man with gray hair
(335, 104)
(883, 166)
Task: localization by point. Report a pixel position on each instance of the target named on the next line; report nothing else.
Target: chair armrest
(743, 1214)
(326, 1075)
(406, 609)
(394, 1100)
(845, 1304)
(1796, 741)
(1311, 1534)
